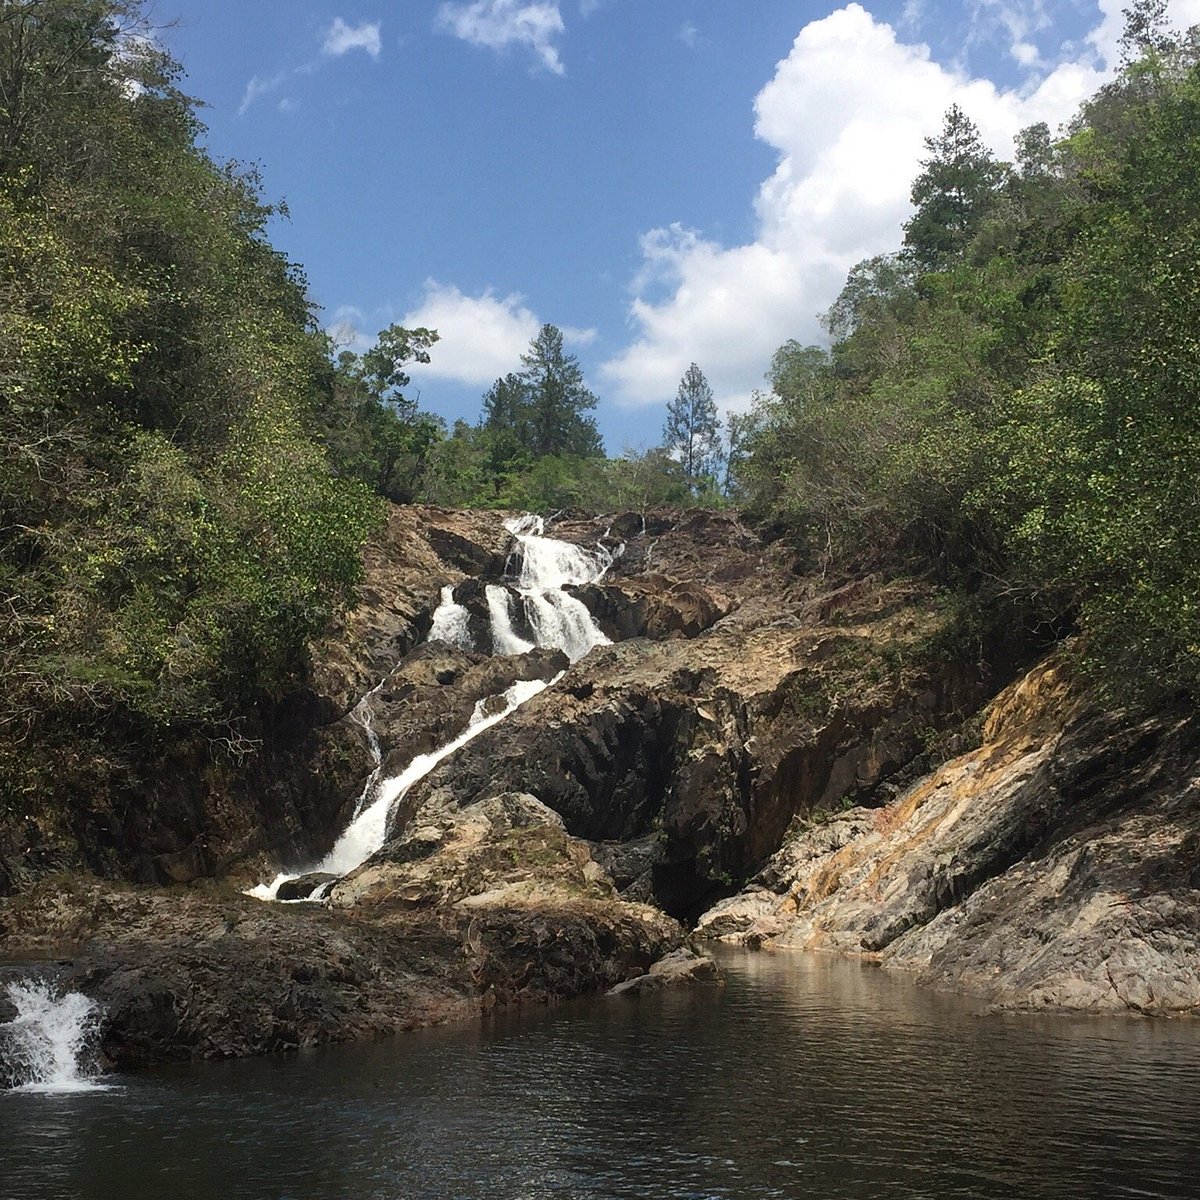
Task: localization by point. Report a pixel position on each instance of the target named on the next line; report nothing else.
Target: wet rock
(1054, 866)
(682, 966)
(195, 973)
(303, 886)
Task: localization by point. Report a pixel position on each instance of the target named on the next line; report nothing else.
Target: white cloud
(261, 85)
(342, 38)
(688, 34)
(481, 337)
(847, 112)
(502, 24)
(339, 39)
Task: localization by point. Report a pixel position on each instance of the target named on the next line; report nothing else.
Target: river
(805, 1076)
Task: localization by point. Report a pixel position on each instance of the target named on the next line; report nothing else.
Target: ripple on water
(804, 1077)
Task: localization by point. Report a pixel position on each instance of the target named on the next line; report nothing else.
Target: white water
(504, 637)
(43, 1048)
(556, 619)
(365, 834)
(451, 623)
(546, 566)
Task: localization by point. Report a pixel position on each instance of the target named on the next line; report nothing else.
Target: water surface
(804, 1077)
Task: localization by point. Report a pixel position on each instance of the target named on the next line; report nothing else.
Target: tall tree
(558, 399)
(957, 187)
(1146, 30)
(505, 423)
(693, 430)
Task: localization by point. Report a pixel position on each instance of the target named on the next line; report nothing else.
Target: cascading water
(365, 834)
(451, 623)
(48, 1045)
(505, 639)
(555, 619)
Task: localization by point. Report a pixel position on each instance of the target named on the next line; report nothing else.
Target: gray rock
(679, 967)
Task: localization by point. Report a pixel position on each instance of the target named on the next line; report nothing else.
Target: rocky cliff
(766, 754)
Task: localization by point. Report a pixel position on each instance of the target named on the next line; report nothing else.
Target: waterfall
(504, 637)
(451, 623)
(366, 833)
(45, 1047)
(544, 566)
(555, 618)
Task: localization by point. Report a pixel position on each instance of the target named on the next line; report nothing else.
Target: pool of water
(804, 1077)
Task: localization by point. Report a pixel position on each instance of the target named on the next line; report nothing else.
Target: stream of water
(805, 1077)
(545, 567)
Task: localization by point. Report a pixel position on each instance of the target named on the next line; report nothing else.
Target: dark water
(805, 1077)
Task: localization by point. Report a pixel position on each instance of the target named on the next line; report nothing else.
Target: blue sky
(667, 180)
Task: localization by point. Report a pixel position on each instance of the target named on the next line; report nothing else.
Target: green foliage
(171, 536)
(956, 190)
(692, 429)
(373, 432)
(1010, 402)
(557, 402)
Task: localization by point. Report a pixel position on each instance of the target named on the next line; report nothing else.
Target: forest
(189, 467)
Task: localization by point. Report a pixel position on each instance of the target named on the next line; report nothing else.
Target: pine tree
(693, 431)
(558, 399)
(957, 187)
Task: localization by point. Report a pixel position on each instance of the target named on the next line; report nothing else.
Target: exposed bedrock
(704, 749)
(496, 905)
(1056, 865)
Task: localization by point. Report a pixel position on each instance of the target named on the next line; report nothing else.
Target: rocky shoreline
(762, 756)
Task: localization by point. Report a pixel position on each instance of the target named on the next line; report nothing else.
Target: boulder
(682, 966)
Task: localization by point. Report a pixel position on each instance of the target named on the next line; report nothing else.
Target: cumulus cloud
(342, 38)
(481, 337)
(503, 24)
(847, 112)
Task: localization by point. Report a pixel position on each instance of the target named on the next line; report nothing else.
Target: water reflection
(804, 1077)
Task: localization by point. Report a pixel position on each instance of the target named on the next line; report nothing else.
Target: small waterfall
(505, 639)
(363, 715)
(366, 833)
(561, 621)
(545, 567)
(451, 623)
(46, 1047)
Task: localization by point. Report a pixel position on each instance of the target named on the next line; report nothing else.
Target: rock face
(494, 905)
(756, 749)
(1057, 865)
(705, 748)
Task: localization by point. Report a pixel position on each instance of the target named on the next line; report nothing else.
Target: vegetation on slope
(171, 535)
(1010, 399)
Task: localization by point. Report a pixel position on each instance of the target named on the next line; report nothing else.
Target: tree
(692, 432)
(506, 424)
(558, 400)
(1146, 31)
(372, 430)
(957, 187)
(383, 365)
